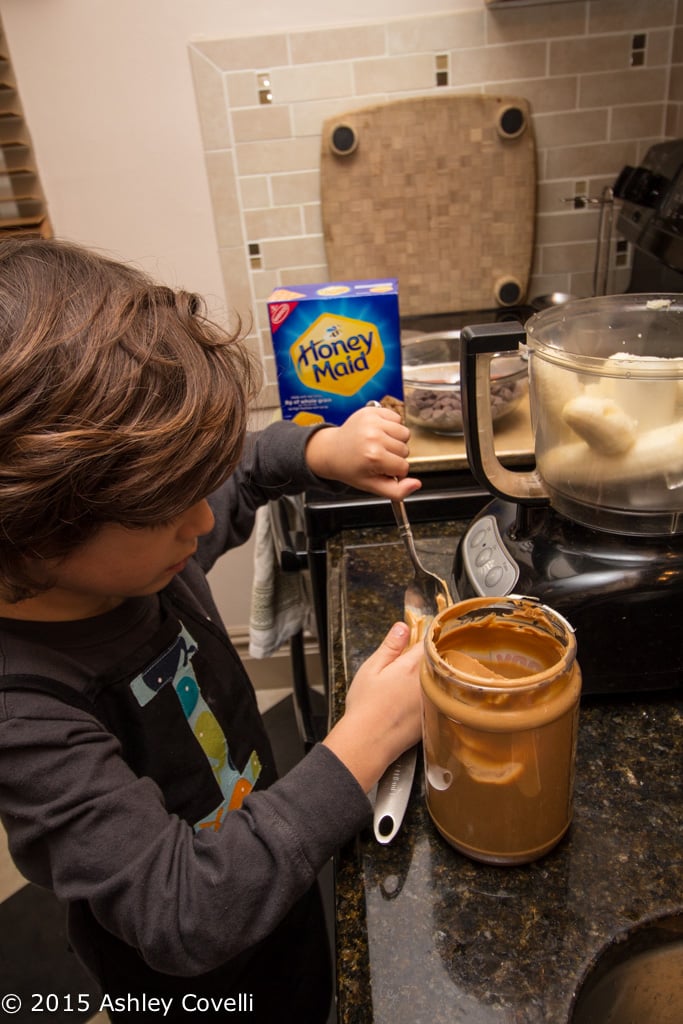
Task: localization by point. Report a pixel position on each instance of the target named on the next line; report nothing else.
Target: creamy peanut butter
(500, 692)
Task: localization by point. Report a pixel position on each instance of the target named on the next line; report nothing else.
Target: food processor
(595, 530)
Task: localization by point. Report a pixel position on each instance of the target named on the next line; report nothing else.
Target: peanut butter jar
(501, 688)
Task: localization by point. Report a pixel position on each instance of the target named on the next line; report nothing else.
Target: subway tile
(236, 282)
(676, 84)
(338, 44)
(581, 282)
(262, 323)
(637, 121)
(658, 48)
(263, 343)
(674, 121)
(224, 197)
(242, 88)
(544, 94)
(554, 196)
(394, 74)
(671, 120)
(632, 15)
(300, 187)
(267, 346)
(277, 222)
(268, 398)
(677, 51)
(293, 252)
(270, 370)
(313, 219)
(437, 34)
(308, 118)
(297, 84)
(567, 257)
(266, 339)
(255, 192)
(576, 56)
(261, 123)
(641, 147)
(240, 53)
(277, 156)
(569, 226)
(583, 161)
(252, 343)
(305, 275)
(213, 115)
(526, 23)
(570, 128)
(637, 85)
(497, 63)
(264, 282)
(546, 284)
(597, 184)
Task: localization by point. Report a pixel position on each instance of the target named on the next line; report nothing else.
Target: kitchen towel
(280, 601)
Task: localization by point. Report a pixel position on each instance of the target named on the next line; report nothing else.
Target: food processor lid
(584, 333)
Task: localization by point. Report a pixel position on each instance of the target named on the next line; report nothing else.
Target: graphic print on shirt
(174, 668)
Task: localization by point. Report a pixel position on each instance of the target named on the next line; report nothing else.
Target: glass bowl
(431, 382)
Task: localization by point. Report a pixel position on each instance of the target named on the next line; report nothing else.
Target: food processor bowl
(606, 397)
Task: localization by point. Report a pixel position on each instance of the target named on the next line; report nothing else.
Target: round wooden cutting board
(439, 192)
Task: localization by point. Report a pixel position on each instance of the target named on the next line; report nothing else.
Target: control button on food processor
(489, 567)
(494, 576)
(483, 557)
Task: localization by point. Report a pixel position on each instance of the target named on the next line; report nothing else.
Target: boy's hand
(383, 709)
(369, 452)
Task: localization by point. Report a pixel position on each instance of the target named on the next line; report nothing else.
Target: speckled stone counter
(425, 935)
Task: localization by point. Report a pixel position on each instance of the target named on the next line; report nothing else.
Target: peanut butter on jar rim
(501, 688)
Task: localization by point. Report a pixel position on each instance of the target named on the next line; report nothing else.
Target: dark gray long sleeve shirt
(85, 821)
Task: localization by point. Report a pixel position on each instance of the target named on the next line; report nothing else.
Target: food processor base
(622, 595)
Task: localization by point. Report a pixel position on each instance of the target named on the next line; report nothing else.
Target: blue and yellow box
(337, 347)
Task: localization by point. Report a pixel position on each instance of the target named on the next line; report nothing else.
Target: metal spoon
(422, 593)
(421, 601)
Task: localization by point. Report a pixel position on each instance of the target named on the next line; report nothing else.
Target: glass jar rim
(510, 608)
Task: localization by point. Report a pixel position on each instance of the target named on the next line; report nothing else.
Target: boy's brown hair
(119, 402)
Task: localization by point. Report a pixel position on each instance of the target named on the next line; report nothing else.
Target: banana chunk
(552, 387)
(601, 423)
(657, 453)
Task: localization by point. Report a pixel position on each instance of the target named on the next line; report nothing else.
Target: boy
(136, 780)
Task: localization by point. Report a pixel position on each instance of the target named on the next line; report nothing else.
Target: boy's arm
(81, 822)
(368, 452)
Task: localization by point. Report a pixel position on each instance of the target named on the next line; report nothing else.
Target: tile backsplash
(604, 79)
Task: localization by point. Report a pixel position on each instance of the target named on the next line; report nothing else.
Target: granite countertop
(425, 935)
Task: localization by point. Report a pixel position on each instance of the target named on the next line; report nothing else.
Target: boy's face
(119, 562)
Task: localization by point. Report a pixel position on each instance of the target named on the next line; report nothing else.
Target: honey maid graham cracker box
(337, 347)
